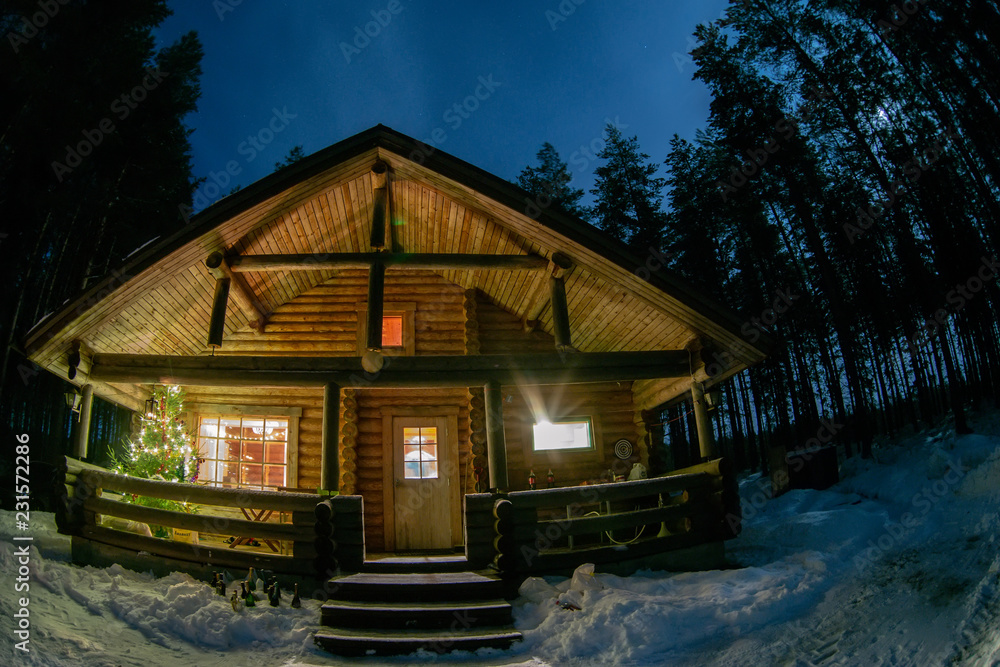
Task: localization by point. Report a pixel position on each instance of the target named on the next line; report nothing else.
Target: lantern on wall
(73, 400)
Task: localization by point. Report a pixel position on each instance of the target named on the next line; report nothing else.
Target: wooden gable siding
(323, 321)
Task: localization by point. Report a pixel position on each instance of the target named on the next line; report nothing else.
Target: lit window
(420, 452)
(392, 331)
(244, 452)
(572, 434)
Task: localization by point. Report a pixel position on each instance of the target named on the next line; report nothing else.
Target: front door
(422, 480)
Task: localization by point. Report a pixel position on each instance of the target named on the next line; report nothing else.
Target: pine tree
(163, 450)
(549, 184)
(294, 155)
(628, 193)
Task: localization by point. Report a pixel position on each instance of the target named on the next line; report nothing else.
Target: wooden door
(423, 471)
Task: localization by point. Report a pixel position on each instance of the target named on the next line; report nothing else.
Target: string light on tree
(163, 449)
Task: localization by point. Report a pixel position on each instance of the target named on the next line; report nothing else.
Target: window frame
(407, 310)
(195, 411)
(567, 420)
(556, 457)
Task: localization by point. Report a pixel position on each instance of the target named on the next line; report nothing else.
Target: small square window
(570, 434)
(392, 331)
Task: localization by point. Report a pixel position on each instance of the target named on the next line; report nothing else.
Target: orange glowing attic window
(392, 331)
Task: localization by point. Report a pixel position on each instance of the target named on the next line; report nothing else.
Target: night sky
(521, 73)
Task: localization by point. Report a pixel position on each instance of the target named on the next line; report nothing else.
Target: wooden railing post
(326, 548)
(503, 542)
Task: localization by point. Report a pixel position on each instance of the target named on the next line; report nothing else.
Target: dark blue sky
(541, 71)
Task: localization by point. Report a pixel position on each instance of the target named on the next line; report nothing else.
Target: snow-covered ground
(898, 564)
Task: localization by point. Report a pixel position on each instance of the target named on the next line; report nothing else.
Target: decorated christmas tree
(163, 450)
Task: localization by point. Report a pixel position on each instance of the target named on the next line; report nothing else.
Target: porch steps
(415, 564)
(374, 613)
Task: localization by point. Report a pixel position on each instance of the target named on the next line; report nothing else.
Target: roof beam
(245, 298)
(392, 260)
(422, 371)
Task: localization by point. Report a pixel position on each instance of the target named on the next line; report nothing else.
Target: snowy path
(896, 565)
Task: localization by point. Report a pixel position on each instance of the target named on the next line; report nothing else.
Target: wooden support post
(706, 439)
(83, 433)
(330, 457)
(245, 298)
(380, 178)
(560, 313)
(217, 324)
(376, 289)
(539, 296)
(495, 444)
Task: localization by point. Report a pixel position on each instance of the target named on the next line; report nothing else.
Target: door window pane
(420, 453)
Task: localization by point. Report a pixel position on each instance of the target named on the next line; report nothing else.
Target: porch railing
(556, 530)
(317, 535)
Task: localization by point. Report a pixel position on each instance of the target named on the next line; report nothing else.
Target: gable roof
(159, 302)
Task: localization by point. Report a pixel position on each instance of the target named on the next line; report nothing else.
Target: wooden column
(376, 288)
(83, 433)
(496, 447)
(380, 210)
(330, 462)
(560, 313)
(217, 324)
(540, 294)
(703, 421)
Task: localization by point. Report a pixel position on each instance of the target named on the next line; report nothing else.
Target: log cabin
(384, 321)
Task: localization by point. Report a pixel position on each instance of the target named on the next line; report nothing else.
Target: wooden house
(386, 321)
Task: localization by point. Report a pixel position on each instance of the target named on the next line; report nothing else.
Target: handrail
(200, 495)
(612, 491)
(325, 532)
(689, 507)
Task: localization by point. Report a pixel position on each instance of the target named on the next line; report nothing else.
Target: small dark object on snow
(296, 602)
(235, 600)
(274, 595)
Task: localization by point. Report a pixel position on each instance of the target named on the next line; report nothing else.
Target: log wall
(609, 405)
(324, 321)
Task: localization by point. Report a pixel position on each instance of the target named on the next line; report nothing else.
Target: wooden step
(416, 564)
(416, 615)
(416, 587)
(360, 642)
